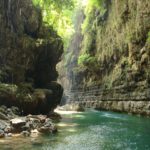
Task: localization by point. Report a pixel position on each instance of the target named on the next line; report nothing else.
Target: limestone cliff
(29, 52)
(114, 60)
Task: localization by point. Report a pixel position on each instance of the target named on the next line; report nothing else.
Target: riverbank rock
(132, 107)
(3, 116)
(2, 134)
(29, 100)
(48, 127)
(8, 113)
(3, 125)
(29, 52)
(54, 116)
(30, 125)
(17, 122)
(25, 133)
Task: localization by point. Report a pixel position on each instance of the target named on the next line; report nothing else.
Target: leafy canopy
(58, 13)
(86, 60)
(91, 7)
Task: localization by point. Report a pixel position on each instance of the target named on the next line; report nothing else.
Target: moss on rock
(29, 52)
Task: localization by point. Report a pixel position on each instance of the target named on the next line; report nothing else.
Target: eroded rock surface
(26, 125)
(29, 52)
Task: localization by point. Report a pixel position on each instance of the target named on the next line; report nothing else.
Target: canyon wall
(29, 52)
(114, 60)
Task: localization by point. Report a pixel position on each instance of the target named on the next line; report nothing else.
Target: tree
(58, 13)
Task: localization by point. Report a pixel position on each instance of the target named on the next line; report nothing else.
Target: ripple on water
(97, 137)
(79, 142)
(93, 131)
(114, 116)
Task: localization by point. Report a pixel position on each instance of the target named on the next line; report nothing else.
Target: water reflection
(90, 130)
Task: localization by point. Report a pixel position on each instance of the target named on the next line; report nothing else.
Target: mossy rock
(7, 94)
(29, 100)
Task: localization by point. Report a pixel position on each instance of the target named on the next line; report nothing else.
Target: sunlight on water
(91, 130)
(62, 112)
(67, 125)
(79, 116)
(115, 116)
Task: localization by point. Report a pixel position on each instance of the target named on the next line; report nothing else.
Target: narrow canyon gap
(78, 68)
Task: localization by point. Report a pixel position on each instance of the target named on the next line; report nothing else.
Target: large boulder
(3, 124)
(18, 122)
(30, 101)
(29, 52)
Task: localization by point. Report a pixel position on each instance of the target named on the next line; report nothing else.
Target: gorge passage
(86, 54)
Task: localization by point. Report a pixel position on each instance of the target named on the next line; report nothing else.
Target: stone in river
(25, 133)
(2, 125)
(18, 122)
(3, 116)
(2, 134)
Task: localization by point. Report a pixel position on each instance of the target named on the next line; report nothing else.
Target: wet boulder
(8, 129)
(25, 133)
(29, 100)
(54, 115)
(15, 110)
(2, 134)
(29, 53)
(18, 122)
(2, 125)
(48, 127)
(3, 116)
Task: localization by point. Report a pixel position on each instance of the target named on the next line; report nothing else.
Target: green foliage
(94, 11)
(25, 88)
(89, 42)
(58, 4)
(24, 92)
(94, 3)
(148, 38)
(86, 26)
(86, 60)
(92, 7)
(7, 90)
(83, 58)
(1, 75)
(58, 13)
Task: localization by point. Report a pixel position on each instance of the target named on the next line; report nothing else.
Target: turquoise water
(90, 130)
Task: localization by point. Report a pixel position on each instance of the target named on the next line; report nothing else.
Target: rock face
(17, 122)
(24, 125)
(132, 107)
(29, 52)
(114, 58)
(29, 100)
(67, 76)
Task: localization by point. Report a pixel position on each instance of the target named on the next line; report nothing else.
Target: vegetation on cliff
(58, 14)
(29, 52)
(115, 45)
(109, 47)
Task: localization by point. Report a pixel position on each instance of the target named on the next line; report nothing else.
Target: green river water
(90, 130)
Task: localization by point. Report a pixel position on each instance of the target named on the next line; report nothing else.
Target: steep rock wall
(29, 52)
(114, 60)
(119, 44)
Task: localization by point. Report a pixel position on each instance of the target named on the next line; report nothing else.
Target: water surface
(90, 130)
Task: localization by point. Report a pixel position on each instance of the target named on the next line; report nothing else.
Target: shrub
(86, 60)
(148, 37)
